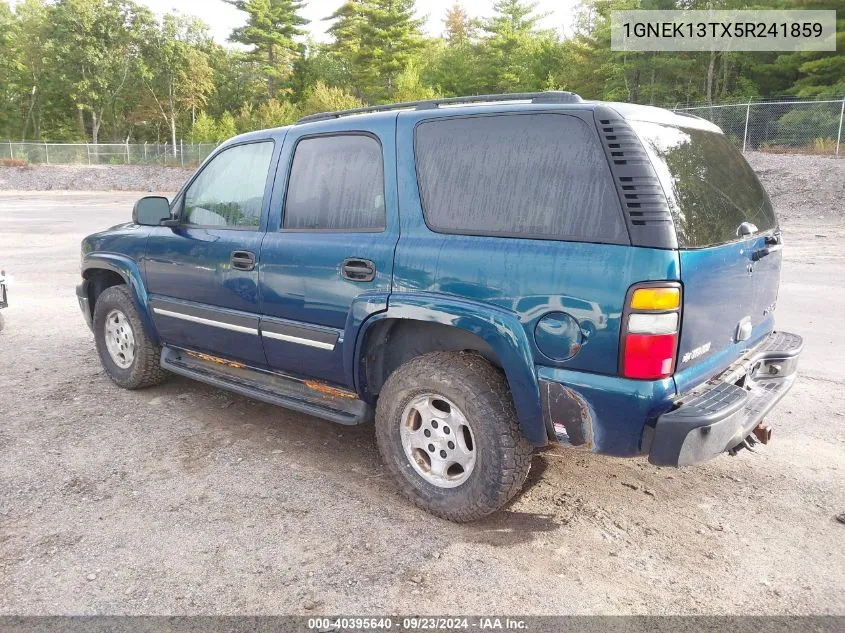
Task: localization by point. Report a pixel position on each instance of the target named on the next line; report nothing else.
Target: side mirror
(151, 211)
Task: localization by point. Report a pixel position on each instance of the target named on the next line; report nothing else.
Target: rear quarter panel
(528, 277)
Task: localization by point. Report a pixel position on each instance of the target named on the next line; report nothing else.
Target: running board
(306, 396)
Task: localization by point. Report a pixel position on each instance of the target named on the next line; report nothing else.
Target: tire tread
(488, 394)
(147, 370)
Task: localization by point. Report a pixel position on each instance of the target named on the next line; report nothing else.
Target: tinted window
(710, 188)
(541, 176)
(336, 183)
(230, 189)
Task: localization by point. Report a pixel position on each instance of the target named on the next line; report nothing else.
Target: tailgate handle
(758, 255)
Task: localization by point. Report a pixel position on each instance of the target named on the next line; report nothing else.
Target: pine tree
(348, 21)
(390, 38)
(346, 30)
(271, 28)
(459, 27)
(512, 44)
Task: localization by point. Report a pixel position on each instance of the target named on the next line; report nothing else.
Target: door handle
(358, 269)
(243, 260)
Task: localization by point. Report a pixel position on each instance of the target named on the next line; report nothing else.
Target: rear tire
(458, 406)
(129, 357)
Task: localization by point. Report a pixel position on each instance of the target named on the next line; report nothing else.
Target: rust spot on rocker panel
(215, 359)
(328, 390)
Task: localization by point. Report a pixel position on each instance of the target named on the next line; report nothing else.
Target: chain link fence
(32, 152)
(797, 127)
(780, 126)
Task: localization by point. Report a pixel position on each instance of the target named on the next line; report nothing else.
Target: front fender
(129, 270)
(498, 328)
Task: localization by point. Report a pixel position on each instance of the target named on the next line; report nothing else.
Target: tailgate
(729, 245)
(729, 300)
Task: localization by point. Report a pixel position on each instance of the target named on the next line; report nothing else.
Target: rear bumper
(82, 297)
(724, 411)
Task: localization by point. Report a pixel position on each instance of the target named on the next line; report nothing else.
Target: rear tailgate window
(710, 188)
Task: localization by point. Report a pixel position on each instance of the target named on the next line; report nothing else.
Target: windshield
(710, 188)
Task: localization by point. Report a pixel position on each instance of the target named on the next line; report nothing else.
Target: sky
(222, 18)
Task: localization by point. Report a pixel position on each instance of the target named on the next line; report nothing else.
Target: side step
(306, 396)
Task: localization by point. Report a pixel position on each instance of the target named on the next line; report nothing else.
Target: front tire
(127, 354)
(447, 431)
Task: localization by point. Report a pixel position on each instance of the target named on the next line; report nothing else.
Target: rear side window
(336, 183)
(710, 188)
(541, 176)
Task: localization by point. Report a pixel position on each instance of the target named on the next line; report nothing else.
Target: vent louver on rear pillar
(646, 210)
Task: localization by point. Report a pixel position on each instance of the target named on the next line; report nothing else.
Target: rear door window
(336, 184)
(541, 176)
(710, 187)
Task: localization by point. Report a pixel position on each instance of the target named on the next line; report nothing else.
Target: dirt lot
(184, 499)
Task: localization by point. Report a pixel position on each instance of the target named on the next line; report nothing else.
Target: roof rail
(549, 96)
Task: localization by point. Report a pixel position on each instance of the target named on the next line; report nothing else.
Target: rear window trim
(289, 168)
(769, 232)
(507, 234)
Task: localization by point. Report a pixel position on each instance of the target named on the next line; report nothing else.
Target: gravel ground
(803, 187)
(183, 499)
(92, 178)
(814, 191)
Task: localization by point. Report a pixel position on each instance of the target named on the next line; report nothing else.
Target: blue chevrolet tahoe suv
(481, 276)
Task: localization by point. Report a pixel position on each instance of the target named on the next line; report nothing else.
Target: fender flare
(130, 271)
(497, 327)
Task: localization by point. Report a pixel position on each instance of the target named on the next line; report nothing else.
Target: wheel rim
(120, 339)
(438, 440)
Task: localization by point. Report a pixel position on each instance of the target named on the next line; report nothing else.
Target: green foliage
(802, 126)
(93, 70)
(276, 114)
(323, 98)
(409, 86)
(226, 127)
(271, 28)
(177, 72)
(376, 40)
(204, 129)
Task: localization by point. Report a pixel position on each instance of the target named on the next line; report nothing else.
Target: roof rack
(549, 96)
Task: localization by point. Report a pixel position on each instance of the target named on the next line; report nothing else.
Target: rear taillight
(650, 325)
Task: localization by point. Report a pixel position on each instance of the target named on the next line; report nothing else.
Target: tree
(96, 46)
(226, 127)
(459, 27)
(177, 73)
(512, 42)
(390, 38)
(409, 86)
(346, 32)
(323, 98)
(204, 129)
(271, 28)
(238, 79)
(10, 69)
